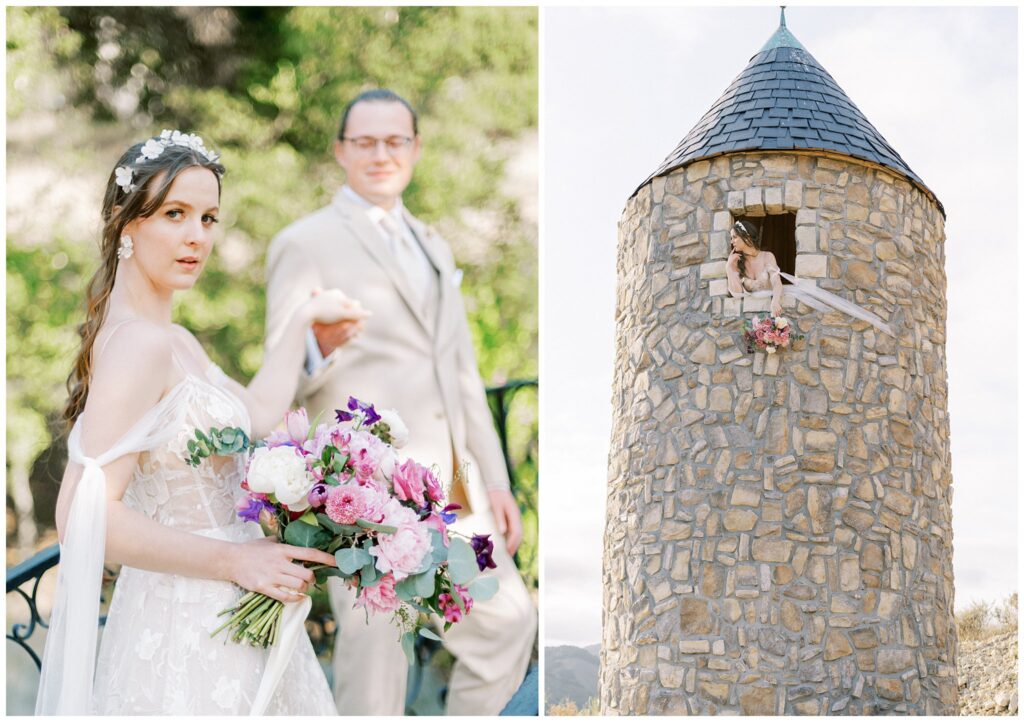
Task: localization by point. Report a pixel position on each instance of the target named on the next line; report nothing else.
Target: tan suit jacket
(410, 357)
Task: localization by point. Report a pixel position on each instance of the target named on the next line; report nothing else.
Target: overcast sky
(621, 89)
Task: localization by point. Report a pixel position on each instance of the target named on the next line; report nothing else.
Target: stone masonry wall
(778, 535)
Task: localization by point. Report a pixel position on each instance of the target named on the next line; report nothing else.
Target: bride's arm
(128, 380)
(271, 391)
(732, 272)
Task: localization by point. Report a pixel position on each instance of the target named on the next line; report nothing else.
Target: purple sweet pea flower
(251, 507)
(448, 513)
(372, 417)
(342, 416)
(484, 547)
(370, 414)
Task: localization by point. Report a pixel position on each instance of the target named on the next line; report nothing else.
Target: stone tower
(779, 535)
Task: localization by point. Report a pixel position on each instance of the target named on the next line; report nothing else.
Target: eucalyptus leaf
(368, 576)
(351, 560)
(438, 550)
(429, 634)
(419, 607)
(417, 586)
(462, 564)
(381, 528)
(483, 588)
(304, 535)
(409, 646)
(329, 524)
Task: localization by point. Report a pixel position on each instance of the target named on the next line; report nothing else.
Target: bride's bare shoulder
(131, 357)
(131, 370)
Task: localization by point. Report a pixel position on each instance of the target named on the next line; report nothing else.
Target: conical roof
(785, 100)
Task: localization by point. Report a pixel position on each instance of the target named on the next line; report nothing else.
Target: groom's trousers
(492, 644)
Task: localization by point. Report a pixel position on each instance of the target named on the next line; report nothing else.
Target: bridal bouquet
(768, 334)
(340, 488)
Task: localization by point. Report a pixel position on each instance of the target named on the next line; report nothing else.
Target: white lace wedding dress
(156, 655)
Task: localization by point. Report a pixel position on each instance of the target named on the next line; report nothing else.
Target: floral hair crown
(153, 149)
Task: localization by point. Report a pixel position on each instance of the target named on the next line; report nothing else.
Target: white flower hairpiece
(154, 148)
(123, 177)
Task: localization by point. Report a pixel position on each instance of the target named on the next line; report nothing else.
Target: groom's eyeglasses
(367, 144)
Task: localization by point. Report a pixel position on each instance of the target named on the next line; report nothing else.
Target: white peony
(282, 472)
(781, 322)
(770, 349)
(398, 430)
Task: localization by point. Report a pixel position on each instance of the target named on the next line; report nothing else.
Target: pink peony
(380, 597)
(401, 553)
(408, 480)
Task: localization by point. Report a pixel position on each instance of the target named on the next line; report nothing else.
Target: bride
(140, 386)
(750, 270)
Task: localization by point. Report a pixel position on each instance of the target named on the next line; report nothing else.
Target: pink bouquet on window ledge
(340, 488)
(768, 334)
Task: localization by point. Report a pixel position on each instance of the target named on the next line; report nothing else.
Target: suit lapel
(361, 227)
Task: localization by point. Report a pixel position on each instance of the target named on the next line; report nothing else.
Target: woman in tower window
(751, 269)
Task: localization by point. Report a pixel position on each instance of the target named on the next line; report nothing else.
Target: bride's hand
(266, 566)
(733, 263)
(331, 335)
(776, 309)
(333, 306)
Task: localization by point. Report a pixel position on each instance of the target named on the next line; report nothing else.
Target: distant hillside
(570, 673)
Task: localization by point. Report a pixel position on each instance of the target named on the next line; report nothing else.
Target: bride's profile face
(171, 246)
(739, 244)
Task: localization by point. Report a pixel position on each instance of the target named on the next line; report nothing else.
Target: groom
(414, 355)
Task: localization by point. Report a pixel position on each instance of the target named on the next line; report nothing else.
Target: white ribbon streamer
(821, 300)
(293, 618)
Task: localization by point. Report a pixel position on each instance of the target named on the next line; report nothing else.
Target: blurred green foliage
(265, 86)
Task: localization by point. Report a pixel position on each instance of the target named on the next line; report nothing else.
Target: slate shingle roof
(784, 99)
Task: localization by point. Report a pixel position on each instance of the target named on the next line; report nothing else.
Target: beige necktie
(404, 254)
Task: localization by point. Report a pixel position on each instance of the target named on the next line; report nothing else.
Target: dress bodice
(164, 487)
(762, 282)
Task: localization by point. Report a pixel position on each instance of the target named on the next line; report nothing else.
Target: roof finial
(782, 22)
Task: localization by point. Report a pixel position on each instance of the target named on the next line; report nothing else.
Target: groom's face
(378, 163)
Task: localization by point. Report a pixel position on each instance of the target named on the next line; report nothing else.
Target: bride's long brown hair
(748, 232)
(151, 180)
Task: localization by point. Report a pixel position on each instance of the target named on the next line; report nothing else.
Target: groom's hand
(506, 517)
(330, 336)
